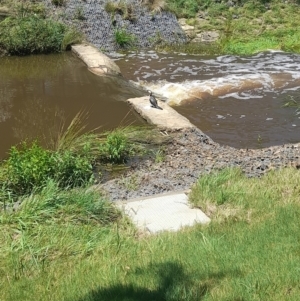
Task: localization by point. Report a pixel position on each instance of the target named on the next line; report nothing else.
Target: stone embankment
(146, 27)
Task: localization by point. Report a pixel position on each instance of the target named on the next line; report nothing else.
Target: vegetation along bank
(211, 26)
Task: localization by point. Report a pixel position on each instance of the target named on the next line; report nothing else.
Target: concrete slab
(165, 119)
(168, 212)
(96, 61)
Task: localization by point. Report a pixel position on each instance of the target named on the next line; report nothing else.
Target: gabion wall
(99, 26)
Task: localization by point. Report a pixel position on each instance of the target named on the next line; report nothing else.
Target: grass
(291, 102)
(28, 30)
(246, 28)
(123, 8)
(250, 250)
(123, 38)
(70, 160)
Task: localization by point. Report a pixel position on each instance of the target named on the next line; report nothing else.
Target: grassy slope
(244, 29)
(250, 251)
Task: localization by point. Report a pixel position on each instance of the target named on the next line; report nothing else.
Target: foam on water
(183, 78)
(233, 99)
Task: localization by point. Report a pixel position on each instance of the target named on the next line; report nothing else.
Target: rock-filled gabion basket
(136, 20)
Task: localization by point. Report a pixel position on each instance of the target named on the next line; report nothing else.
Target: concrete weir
(168, 212)
(97, 62)
(165, 119)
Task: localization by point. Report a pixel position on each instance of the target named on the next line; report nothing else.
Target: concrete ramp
(165, 119)
(168, 212)
(96, 61)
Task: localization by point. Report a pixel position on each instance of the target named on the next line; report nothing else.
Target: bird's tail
(158, 107)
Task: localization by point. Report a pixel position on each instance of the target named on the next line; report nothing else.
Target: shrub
(27, 167)
(32, 34)
(30, 166)
(72, 170)
(116, 148)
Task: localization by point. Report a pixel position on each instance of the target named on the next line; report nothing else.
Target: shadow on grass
(172, 284)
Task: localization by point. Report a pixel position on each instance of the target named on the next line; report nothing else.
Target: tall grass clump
(156, 6)
(34, 34)
(123, 38)
(123, 8)
(69, 160)
(116, 148)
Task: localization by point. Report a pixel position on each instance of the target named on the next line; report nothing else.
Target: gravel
(99, 26)
(191, 154)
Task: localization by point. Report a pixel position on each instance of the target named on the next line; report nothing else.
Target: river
(237, 101)
(41, 93)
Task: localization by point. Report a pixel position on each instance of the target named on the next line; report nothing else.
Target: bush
(30, 167)
(27, 167)
(116, 148)
(72, 170)
(32, 34)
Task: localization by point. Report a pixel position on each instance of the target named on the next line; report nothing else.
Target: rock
(188, 29)
(206, 37)
(4, 11)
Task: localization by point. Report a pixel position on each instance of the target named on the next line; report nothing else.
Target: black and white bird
(153, 101)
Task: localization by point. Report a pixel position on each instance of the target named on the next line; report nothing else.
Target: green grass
(123, 38)
(34, 34)
(246, 28)
(28, 30)
(250, 250)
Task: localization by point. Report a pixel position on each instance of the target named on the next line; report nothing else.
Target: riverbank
(189, 154)
(216, 27)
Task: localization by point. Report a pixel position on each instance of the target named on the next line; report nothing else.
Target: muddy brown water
(40, 93)
(236, 100)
